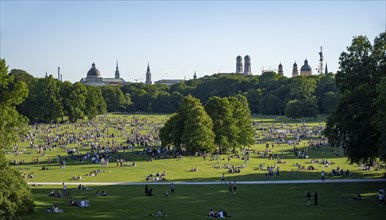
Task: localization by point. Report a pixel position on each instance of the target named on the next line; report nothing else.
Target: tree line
(51, 100)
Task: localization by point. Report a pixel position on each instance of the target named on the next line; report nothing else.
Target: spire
(295, 71)
(326, 70)
(195, 75)
(117, 71)
(280, 70)
(148, 75)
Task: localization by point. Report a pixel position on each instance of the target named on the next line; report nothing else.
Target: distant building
(195, 75)
(94, 78)
(295, 71)
(169, 82)
(280, 70)
(247, 66)
(148, 75)
(306, 69)
(239, 64)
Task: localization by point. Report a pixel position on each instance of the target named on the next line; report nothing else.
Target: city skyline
(178, 38)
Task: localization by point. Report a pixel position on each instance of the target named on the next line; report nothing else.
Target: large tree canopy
(11, 94)
(351, 126)
(15, 195)
(190, 128)
(224, 124)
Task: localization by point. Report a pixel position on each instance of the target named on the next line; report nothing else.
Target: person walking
(323, 176)
(234, 187)
(172, 188)
(222, 178)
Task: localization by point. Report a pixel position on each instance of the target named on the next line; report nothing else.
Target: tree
(65, 92)
(198, 131)
(329, 102)
(224, 125)
(114, 98)
(21, 75)
(242, 115)
(12, 124)
(15, 195)
(45, 100)
(167, 132)
(379, 119)
(326, 93)
(302, 88)
(310, 107)
(190, 128)
(77, 102)
(293, 109)
(351, 124)
(95, 104)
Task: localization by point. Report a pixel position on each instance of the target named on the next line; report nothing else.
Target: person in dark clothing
(146, 189)
(316, 198)
(308, 196)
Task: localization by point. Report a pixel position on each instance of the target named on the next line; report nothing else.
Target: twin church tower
(247, 65)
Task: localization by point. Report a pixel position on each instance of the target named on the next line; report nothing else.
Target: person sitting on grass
(103, 193)
(150, 192)
(52, 193)
(212, 214)
(357, 197)
(59, 194)
(55, 209)
(159, 213)
(222, 214)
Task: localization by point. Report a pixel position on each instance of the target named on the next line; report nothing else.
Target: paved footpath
(212, 183)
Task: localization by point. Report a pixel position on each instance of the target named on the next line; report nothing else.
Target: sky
(178, 38)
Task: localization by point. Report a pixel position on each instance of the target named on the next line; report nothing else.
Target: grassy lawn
(194, 202)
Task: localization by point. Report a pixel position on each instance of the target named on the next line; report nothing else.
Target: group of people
(220, 214)
(156, 177)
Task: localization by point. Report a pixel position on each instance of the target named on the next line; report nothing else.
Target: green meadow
(285, 201)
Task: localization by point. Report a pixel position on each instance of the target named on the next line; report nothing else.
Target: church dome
(93, 72)
(306, 67)
(239, 58)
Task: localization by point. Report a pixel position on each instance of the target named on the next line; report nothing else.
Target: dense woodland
(50, 99)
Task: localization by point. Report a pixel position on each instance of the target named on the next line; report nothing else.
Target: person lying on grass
(54, 209)
(81, 203)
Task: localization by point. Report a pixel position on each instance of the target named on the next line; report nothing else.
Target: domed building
(306, 69)
(94, 78)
